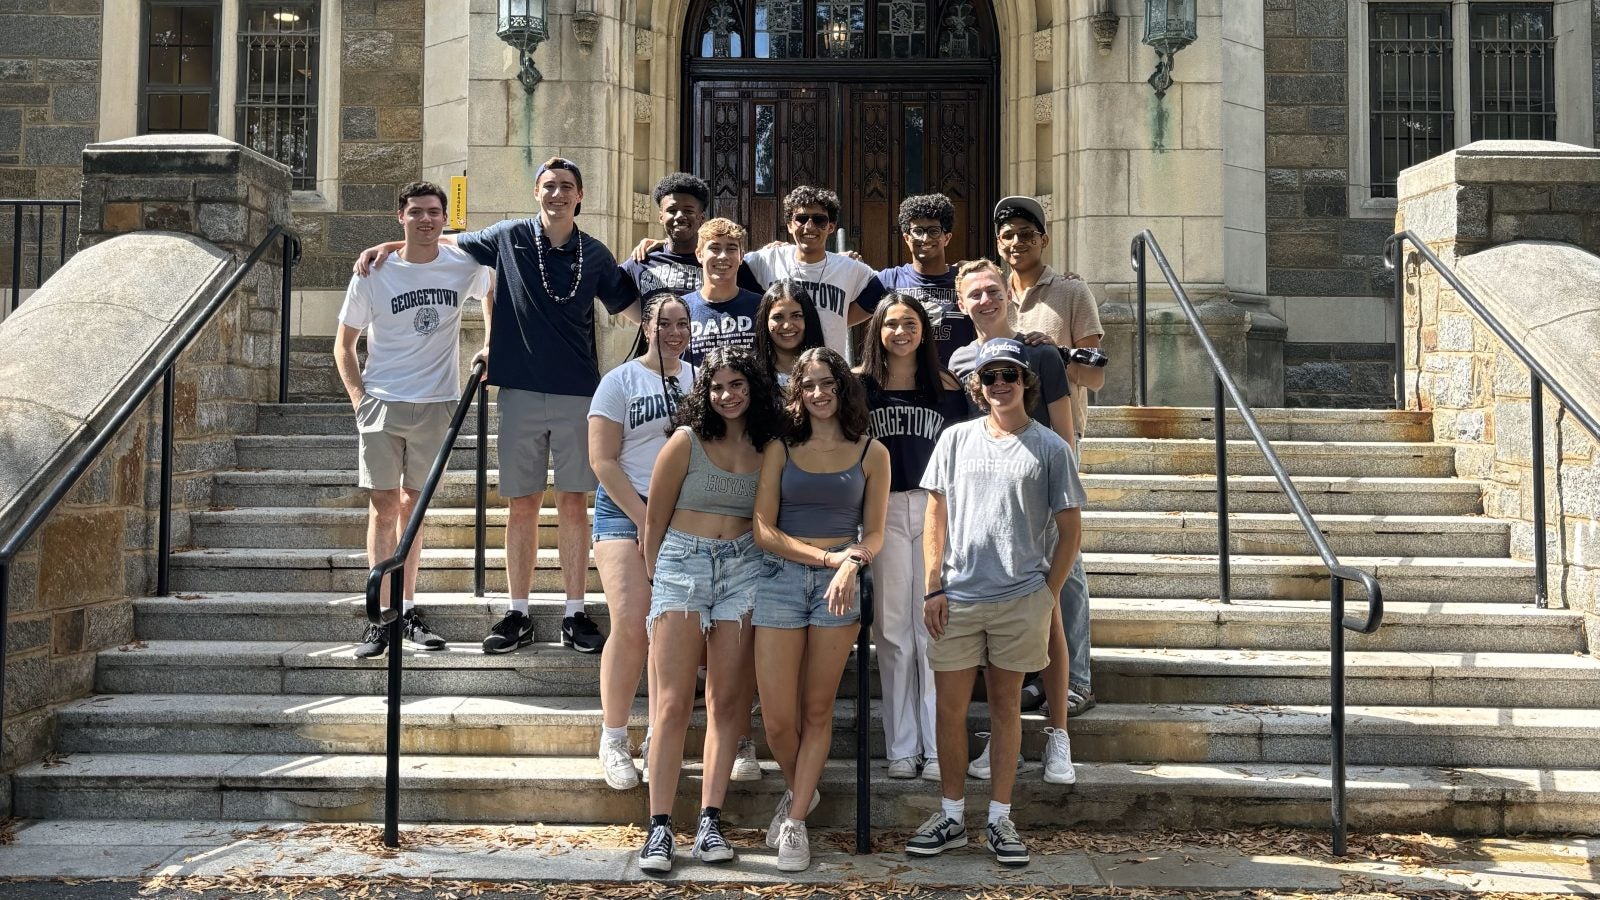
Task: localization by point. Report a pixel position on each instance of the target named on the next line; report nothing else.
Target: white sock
(954, 809)
(409, 604)
(520, 606)
(574, 606)
(998, 811)
(648, 730)
(614, 735)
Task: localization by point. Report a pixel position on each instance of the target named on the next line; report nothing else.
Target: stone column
(72, 585)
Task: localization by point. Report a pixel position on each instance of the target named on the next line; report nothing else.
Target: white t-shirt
(412, 314)
(631, 396)
(834, 283)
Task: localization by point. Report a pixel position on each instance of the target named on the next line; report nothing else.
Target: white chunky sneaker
(930, 771)
(617, 759)
(782, 812)
(903, 768)
(1058, 767)
(745, 765)
(794, 847)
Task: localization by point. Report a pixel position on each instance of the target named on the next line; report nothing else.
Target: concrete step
(1109, 456)
(1150, 423)
(1418, 578)
(570, 790)
(1104, 531)
(1121, 674)
(564, 726)
(1117, 621)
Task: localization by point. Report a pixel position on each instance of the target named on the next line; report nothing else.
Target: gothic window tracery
(842, 29)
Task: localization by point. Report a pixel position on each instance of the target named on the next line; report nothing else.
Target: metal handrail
(163, 369)
(393, 568)
(863, 722)
(38, 250)
(1539, 379)
(1338, 572)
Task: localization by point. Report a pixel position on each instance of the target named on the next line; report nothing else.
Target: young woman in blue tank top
(819, 517)
(911, 399)
(702, 561)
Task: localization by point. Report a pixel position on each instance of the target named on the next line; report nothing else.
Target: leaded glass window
(841, 29)
(277, 104)
(1513, 73)
(721, 37)
(180, 70)
(780, 29)
(902, 29)
(958, 32)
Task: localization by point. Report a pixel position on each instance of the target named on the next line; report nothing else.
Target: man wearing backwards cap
(992, 590)
(539, 343)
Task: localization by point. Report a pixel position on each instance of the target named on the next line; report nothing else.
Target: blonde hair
(719, 228)
(974, 266)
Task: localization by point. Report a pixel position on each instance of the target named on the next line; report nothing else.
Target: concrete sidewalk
(195, 856)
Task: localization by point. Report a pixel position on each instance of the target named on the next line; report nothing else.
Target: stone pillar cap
(1502, 162)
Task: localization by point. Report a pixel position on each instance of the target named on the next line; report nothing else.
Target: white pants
(900, 633)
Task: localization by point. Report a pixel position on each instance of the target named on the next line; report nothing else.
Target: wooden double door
(873, 143)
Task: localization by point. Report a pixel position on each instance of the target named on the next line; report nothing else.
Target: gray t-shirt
(1001, 497)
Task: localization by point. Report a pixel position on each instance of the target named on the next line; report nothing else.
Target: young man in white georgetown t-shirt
(403, 400)
(845, 290)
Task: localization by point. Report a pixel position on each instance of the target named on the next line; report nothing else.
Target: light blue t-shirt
(1001, 497)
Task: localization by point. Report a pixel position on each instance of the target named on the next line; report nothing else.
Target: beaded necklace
(577, 268)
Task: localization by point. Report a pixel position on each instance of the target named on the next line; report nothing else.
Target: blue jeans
(716, 579)
(610, 522)
(1075, 619)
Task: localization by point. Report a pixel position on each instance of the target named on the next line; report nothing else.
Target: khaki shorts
(399, 441)
(1008, 634)
(536, 427)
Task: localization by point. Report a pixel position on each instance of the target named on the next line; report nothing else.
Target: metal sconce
(522, 24)
(1169, 26)
(1105, 22)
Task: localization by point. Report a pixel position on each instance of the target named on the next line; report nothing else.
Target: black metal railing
(393, 568)
(47, 238)
(1224, 389)
(1539, 380)
(863, 718)
(164, 371)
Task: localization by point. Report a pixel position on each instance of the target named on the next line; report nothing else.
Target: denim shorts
(716, 579)
(795, 595)
(610, 522)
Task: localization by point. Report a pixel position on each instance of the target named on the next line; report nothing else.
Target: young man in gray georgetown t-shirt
(1002, 529)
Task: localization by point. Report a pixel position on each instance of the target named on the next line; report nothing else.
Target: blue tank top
(822, 504)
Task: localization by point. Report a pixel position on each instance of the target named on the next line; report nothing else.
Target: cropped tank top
(822, 504)
(710, 489)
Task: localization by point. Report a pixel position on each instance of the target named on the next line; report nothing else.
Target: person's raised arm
(1091, 377)
(666, 482)
(935, 605)
(348, 363)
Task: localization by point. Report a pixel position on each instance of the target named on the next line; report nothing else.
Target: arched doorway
(877, 99)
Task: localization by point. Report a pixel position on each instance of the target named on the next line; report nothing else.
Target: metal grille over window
(902, 29)
(180, 72)
(1413, 104)
(958, 32)
(1513, 73)
(841, 29)
(277, 104)
(720, 37)
(780, 33)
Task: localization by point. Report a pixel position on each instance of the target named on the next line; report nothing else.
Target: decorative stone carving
(641, 208)
(643, 109)
(644, 44)
(1044, 108)
(1043, 45)
(585, 28)
(1105, 24)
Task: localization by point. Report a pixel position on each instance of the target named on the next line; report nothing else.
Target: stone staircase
(1470, 710)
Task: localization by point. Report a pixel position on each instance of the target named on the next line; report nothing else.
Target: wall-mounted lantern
(522, 24)
(1169, 26)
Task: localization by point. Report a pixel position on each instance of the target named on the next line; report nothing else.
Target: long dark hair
(762, 420)
(853, 417)
(766, 351)
(875, 357)
(670, 388)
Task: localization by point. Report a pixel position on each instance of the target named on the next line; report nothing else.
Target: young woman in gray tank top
(702, 561)
(819, 516)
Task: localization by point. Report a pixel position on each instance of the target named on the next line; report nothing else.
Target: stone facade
(1341, 375)
(1537, 206)
(49, 94)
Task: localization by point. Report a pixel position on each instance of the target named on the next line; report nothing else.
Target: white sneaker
(782, 813)
(745, 765)
(930, 771)
(980, 767)
(617, 759)
(903, 768)
(1058, 757)
(794, 847)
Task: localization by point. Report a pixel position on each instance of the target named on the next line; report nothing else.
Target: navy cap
(1002, 350)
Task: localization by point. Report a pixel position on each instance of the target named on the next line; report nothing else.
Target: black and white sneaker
(374, 642)
(417, 635)
(1004, 842)
(655, 856)
(579, 632)
(511, 632)
(709, 845)
(938, 834)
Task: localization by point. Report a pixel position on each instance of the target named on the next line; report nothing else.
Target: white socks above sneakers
(573, 607)
(998, 811)
(520, 606)
(954, 809)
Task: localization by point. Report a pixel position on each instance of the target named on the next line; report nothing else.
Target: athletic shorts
(1009, 634)
(534, 429)
(397, 441)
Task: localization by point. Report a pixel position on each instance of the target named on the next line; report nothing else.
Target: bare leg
(572, 541)
(522, 543)
(1005, 728)
(954, 695)
(1055, 676)
(677, 639)
(782, 652)
(413, 559)
(383, 511)
(628, 599)
(826, 652)
(730, 649)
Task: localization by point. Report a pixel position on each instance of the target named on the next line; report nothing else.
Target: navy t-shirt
(731, 323)
(909, 426)
(677, 273)
(536, 342)
(1044, 360)
(954, 329)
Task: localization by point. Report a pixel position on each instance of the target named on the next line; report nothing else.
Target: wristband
(932, 594)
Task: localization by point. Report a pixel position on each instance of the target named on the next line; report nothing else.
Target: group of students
(745, 476)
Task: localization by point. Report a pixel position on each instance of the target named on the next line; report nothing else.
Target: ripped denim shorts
(716, 579)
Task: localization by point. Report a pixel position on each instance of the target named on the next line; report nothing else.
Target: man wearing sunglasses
(845, 290)
(926, 224)
(1001, 531)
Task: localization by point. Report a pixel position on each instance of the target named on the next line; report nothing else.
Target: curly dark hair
(807, 195)
(762, 419)
(682, 183)
(875, 359)
(853, 417)
(766, 352)
(928, 206)
(1031, 389)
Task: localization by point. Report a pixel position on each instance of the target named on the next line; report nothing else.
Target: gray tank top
(822, 504)
(710, 489)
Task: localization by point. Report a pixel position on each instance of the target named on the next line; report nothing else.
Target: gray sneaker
(938, 834)
(416, 633)
(794, 847)
(782, 812)
(1004, 842)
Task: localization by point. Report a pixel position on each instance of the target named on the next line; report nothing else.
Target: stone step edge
(1263, 414)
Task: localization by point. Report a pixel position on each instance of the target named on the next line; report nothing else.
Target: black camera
(1083, 356)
